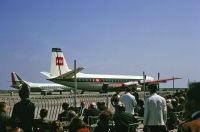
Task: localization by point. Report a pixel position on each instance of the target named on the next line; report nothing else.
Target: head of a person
(83, 104)
(174, 102)
(76, 124)
(71, 114)
(101, 106)
(43, 113)
(192, 99)
(127, 89)
(24, 91)
(92, 106)
(181, 100)
(115, 100)
(120, 108)
(65, 106)
(57, 126)
(105, 116)
(3, 107)
(152, 88)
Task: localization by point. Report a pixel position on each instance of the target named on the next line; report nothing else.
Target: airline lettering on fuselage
(97, 80)
(59, 61)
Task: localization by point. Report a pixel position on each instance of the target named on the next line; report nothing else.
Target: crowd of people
(179, 111)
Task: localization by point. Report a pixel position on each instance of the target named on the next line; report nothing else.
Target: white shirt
(129, 101)
(155, 110)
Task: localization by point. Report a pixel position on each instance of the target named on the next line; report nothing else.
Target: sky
(104, 36)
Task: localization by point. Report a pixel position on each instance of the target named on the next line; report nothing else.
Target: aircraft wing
(69, 74)
(139, 83)
(161, 80)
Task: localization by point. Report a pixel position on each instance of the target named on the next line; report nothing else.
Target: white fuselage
(94, 82)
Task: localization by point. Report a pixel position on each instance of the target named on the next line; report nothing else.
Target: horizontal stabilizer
(47, 74)
(69, 74)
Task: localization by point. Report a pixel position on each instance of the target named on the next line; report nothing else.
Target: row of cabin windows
(52, 87)
(102, 80)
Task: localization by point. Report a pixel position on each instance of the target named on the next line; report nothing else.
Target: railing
(54, 103)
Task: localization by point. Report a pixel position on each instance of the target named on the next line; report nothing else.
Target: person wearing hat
(192, 109)
(155, 111)
(23, 111)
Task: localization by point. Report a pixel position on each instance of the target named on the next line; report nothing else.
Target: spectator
(140, 107)
(174, 103)
(181, 104)
(122, 120)
(23, 111)
(136, 95)
(77, 125)
(103, 124)
(3, 116)
(42, 125)
(57, 126)
(128, 100)
(101, 106)
(70, 115)
(62, 116)
(192, 109)
(115, 99)
(92, 111)
(171, 120)
(155, 111)
(82, 109)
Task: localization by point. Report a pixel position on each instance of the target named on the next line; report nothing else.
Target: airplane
(60, 73)
(44, 88)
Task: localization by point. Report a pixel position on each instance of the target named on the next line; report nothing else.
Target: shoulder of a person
(157, 96)
(3, 115)
(147, 99)
(150, 96)
(186, 124)
(17, 104)
(122, 96)
(161, 97)
(36, 121)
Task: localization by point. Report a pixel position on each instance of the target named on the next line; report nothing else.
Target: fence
(54, 103)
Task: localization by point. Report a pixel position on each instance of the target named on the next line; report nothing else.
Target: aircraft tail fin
(58, 63)
(16, 80)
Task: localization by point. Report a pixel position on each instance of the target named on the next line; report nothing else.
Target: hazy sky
(105, 36)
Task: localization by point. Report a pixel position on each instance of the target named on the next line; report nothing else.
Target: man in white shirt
(155, 111)
(128, 100)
